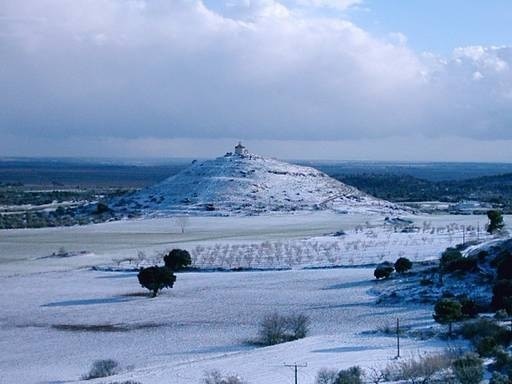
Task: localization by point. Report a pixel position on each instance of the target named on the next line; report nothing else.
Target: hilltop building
(240, 150)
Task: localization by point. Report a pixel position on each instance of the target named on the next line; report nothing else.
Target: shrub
(448, 257)
(501, 315)
(298, 326)
(156, 278)
(177, 259)
(125, 382)
(504, 268)
(447, 311)
(102, 208)
(468, 369)
(469, 307)
(215, 377)
(276, 329)
(503, 361)
(383, 270)
(496, 223)
(326, 376)
(499, 378)
(102, 368)
(419, 370)
(486, 346)
(502, 295)
(352, 375)
(403, 264)
(485, 327)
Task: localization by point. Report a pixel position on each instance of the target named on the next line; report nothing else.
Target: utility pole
(295, 367)
(397, 338)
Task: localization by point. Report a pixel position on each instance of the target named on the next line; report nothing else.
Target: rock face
(246, 184)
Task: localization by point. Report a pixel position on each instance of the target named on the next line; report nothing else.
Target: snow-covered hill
(242, 183)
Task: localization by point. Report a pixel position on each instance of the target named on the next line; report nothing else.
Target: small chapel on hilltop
(240, 150)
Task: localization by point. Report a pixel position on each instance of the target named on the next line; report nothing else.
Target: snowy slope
(250, 184)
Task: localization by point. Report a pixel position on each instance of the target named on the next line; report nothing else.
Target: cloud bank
(258, 70)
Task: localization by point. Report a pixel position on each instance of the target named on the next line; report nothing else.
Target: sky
(303, 79)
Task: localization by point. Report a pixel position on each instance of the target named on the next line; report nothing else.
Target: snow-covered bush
(486, 335)
(421, 369)
(215, 377)
(102, 368)
(125, 382)
(499, 378)
(276, 329)
(326, 376)
(352, 375)
(468, 369)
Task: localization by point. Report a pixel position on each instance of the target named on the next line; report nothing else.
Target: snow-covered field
(58, 316)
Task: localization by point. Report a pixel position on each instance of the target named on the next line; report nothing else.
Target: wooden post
(397, 338)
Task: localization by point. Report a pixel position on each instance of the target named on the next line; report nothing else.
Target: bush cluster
(468, 369)
(352, 375)
(487, 336)
(386, 268)
(102, 368)
(452, 260)
(216, 377)
(276, 328)
(158, 277)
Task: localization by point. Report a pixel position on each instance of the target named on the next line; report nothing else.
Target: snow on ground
(48, 320)
(250, 184)
(110, 241)
(57, 316)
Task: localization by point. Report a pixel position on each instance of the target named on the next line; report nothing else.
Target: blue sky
(437, 25)
(323, 79)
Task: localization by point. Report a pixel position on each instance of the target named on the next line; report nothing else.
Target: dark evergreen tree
(495, 221)
(502, 295)
(156, 278)
(177, 259)
(403, 264)
(448, 311)
(383, 270)
(504, 268)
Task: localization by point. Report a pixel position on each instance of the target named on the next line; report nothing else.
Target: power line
(295, 367)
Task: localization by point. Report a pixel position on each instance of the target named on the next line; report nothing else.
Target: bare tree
(182, 222)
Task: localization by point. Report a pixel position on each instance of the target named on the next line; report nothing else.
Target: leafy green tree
(403, 264)
(177, 259)
(495, 221)
(447, 311)
(156, 278)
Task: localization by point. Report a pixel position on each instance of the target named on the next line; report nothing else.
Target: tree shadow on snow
(107, 300)
(351, 284)
(117, 275)
(348, 349)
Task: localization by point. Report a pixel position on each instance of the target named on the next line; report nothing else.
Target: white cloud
(335, 4)
(177, 69)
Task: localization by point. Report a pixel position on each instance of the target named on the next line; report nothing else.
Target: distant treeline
(496, 190)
